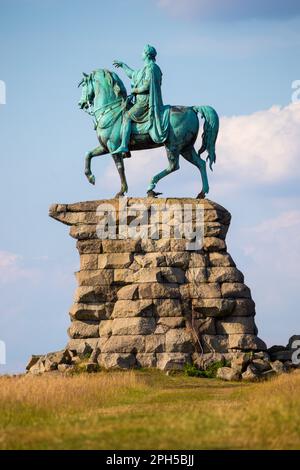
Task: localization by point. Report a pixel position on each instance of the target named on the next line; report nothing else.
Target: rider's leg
(126, 131)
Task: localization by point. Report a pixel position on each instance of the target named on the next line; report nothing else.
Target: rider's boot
(126, 131)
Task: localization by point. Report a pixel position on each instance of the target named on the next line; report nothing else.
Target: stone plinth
(156, 302)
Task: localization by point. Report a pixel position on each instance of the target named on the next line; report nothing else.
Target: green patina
(141, 121)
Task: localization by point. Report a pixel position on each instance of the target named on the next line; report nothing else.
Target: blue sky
(241, 59)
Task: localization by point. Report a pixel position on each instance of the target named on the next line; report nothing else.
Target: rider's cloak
(159, 115)
(149, 106)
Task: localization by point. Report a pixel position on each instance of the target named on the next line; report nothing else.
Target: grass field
(148, 410)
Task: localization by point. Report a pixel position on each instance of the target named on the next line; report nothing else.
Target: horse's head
(103, 84)
(87, 94)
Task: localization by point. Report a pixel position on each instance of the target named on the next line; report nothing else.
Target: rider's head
(149, 52)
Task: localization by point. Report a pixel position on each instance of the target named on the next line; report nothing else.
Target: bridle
(103, 109)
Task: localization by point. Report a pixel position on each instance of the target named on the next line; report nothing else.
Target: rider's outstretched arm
(127, 70)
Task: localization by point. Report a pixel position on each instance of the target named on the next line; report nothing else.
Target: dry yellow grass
(148, 410)
(58, 394)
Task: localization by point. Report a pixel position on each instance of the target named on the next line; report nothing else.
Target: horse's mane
(115, 82)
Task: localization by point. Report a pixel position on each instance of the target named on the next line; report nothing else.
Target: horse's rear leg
(192, 156)
(93, 153)
(173, 158)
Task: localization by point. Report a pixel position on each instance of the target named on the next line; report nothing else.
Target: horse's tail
(210, 131)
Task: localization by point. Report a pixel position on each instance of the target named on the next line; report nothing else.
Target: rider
(146, 86)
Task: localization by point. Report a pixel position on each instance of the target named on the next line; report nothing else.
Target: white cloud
(263, 146)
(271, 264)
(273, 247)
(284, 221)
(11, 268)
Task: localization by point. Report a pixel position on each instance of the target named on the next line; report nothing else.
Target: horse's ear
(84, 74)
(118, 86)
(117, 89)
(109, 77)
(80, 83)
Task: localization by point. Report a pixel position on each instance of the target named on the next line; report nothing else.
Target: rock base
(156, 302)
(234, 366)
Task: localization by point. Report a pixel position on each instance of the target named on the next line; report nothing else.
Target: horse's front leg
(100, 150)
(121, 170)
(118, 159)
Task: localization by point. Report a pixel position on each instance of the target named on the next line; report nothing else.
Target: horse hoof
(92, 179)
(152, 193)
(126, 155)
(201, 195)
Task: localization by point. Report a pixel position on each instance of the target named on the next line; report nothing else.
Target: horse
(104, 97)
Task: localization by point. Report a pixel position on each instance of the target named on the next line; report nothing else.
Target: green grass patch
(148, 410)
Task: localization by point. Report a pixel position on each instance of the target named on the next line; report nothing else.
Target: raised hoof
(152, 193)
(91, 179)
(201, 195)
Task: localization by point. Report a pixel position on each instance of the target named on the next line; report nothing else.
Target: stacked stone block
(153, 303)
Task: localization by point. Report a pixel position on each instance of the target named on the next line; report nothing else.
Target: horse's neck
(104, 98)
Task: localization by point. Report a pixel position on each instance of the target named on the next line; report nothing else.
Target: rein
(105, 109)
(106, 106)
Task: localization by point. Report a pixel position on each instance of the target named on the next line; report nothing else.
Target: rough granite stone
(167, 307)
(82, 346)
(114, 260)
(246, 342)
(221, 260)
(229, 374)
(235, 290)
(117, 360)
(133, 308)
(146, 360)
(155, 343)
(202, 291)
(236, 325)
(105, 328)
(224, 274)
(166, 323)
(94, 312)
(133, 326)
(179, 340)
(172, 361)
(88, 261)
(213, 307)
(251, 374)
(159, 291)
(130, 292)
(83, 329)
(122, 344)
